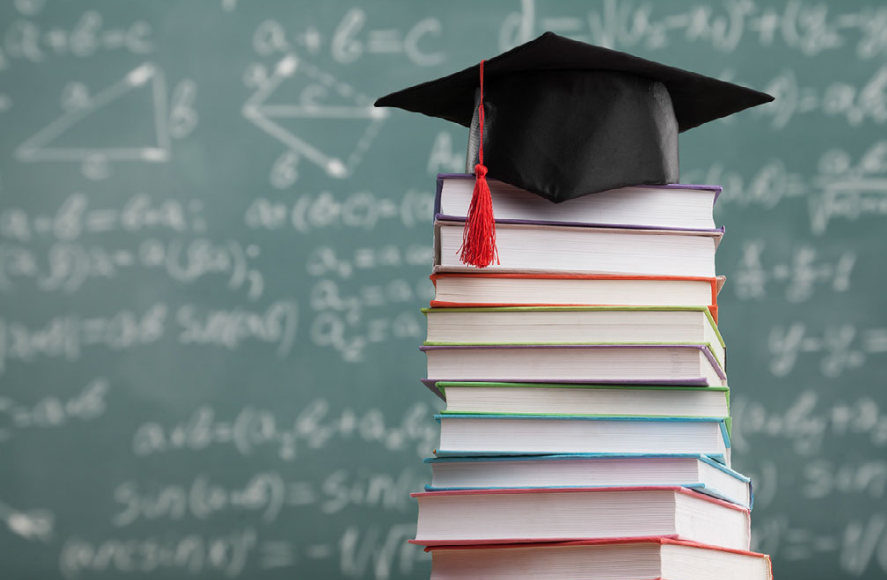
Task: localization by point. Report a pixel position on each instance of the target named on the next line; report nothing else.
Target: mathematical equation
(839, 348)
(859, 546)
(312, 429)
(361, 210)
(339, 320)
(68, 267)
(805, 27)
(75, 217)
(266, 494)
(807, 423)
(27, 40)
(800, 277)
(858, 106)
(67, 336)
(351, 40)
(840, 190)
(359, 551)
(53, 412)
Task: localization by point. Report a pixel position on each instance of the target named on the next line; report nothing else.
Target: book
(459, 289)
(677, 206)
(690, 471)
(542, 248)
(650, 364)
(576, 399)
(575, 325)
(657, 558)
(548, 515)
(493, 435)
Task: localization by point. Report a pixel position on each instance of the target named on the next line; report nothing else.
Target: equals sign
(223, 432)
(300, 493)
(387, 208)
(101, 220)
(123, 258)
(384, 41)
(319, 551)
(875, 340)
(276, 555)
(94, 330)
(42, 224)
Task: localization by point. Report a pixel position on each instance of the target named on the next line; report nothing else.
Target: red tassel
(479, 236)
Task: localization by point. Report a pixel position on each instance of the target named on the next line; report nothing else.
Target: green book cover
(703, 309)
(444, 385)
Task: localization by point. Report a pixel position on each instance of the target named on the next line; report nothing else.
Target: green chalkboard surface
(213, 252)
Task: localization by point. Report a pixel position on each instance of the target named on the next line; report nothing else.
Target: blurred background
(213, 252)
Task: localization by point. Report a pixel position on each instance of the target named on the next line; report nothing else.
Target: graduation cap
(563, 119)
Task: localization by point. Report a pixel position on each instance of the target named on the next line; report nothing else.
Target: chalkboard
(213, 252)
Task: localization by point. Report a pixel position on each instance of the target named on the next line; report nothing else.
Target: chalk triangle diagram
(316, 116)
(123, 122)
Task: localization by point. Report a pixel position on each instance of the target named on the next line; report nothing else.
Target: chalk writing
(331, 329)
(267, 494)
(28, 41)
(324, 260)
(861, 547)
(35, 524)
(361, 210)
(67, 267)
(841, 189)
(807, 422)
(805, 27)
(75, 217)
(67, 336)
(53, 412)
(225, 554)
(800, 277)
(351, 41)
(82, 108)
(313, 428)
(312, 103)
(823, 478)
(866, 104)
(840, 348)
(850, 191)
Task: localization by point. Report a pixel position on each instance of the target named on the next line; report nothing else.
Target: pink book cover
(661, 540)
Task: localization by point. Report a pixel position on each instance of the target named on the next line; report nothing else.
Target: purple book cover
(700, 381)
(444, 217)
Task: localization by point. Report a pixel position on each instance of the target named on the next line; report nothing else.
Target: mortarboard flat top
(562, 119)
(696, 99)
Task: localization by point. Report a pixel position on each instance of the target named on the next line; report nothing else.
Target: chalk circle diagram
(66, 138)
(323, 107)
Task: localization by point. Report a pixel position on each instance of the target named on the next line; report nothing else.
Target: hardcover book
(575, 325)
(460, 289)
(564, 514)
(543, 248)
(576, 399)
(643, 364)
(492, 435)
(691, 471)
(675, 206)
(652, 558)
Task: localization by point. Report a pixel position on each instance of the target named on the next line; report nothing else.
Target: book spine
(437, 193)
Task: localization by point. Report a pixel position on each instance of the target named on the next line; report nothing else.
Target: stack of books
(587, 419)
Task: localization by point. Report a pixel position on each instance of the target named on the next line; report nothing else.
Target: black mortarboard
(563, 118)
